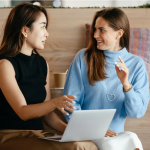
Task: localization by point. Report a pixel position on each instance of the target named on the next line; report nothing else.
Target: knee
(87, 145)
(134, 140)
(132, 135)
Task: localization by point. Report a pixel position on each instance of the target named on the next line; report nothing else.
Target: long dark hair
(21, 15)
(95, 58)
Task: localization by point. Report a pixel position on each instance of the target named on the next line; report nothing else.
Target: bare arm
(54, 121)
(15, 98)
(51, 118)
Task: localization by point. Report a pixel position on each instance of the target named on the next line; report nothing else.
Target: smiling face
(106, 37)
(37, 36)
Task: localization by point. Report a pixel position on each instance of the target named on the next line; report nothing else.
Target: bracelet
(128, 88)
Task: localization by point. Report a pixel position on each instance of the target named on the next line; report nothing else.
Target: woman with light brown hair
(24, 85)
(106, 76)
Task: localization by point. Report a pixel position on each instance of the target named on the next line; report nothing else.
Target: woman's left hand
(123, 74)
(110, 133)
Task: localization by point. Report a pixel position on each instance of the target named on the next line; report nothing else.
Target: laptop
(86, 125)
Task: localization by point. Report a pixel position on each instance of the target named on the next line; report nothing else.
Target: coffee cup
(59, 80)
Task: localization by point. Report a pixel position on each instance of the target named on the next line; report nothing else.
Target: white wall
(5, 3)
(88, 3)
(101, 3)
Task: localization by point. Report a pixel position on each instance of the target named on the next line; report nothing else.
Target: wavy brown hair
(95, 58)
(24, 14)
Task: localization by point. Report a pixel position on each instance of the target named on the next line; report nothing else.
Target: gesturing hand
(110, 133)
(62, 104)
(123, 74)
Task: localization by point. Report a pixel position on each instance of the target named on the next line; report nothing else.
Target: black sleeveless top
(31, 72)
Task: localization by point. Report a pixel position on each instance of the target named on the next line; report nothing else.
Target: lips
(99, 42)
(43, 41)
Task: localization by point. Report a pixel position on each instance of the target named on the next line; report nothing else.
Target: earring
(117, 38)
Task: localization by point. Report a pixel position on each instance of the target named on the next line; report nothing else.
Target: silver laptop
(86, 125)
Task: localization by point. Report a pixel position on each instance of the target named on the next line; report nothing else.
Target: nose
(46, 34)
(96, 34)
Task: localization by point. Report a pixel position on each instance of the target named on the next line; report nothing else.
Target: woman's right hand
(62, 104)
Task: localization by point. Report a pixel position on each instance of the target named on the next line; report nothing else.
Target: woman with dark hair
(24, 85)
(107, 76)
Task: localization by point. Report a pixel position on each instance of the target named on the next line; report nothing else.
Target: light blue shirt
(132, 103)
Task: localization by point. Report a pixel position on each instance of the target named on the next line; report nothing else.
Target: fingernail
(74, 107)
(67, 114)
(75, 97)
(122, 69)
(119, 57)
(116, 63)
(73, 102)
(107, 136)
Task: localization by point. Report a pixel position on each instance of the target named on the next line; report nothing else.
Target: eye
(44, 27)
(102, 30)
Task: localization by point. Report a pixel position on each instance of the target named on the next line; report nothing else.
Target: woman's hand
(62, 104)
(123, 74)
(110, 133)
